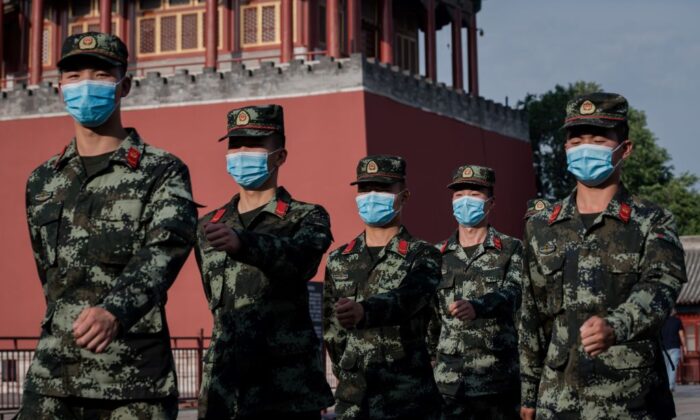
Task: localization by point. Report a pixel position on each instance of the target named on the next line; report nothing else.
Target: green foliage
(647, 173)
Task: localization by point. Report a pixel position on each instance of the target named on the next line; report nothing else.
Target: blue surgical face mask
(591, 163)
(376, 208)
(90, 102)
(249, 169)
(469, 211)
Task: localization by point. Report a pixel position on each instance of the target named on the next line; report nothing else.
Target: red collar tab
(444, 247)
(497, 243)
(217, 216)
(133, 157)
(58, 161)
(403, 247)
(349, 247)
(625, 212)
(281, 209)
(555, 213)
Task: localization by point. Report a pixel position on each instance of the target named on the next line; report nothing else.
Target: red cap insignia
(350, 246)
(555, 213)
(497, 243)
(132, 158)
(403, 247)
(281, 209)
(625, 212)
(217, 216)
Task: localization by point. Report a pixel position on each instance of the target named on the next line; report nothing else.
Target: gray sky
(646, 50)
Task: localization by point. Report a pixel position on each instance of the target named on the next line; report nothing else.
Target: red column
(457, 70)
(473, 62)
(210, 46)
(2, 39)
(430, 50)
(234, 29)
(386, 43)
(354, 28)
(287, 30)
(37, 35)
(333, 28)
(106, 16)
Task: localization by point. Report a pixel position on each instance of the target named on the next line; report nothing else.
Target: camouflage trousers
(44, 407)
(613, 385)
(503, 406)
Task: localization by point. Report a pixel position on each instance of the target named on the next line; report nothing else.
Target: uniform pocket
(47, 218)
(624, 274)
(214, 273)
(550, 292)
(116, 234)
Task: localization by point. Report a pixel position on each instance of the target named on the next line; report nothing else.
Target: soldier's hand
(527, 413)
(462, 310)
(596, 335)
(349, 312)
(222, 237)
(95, 328)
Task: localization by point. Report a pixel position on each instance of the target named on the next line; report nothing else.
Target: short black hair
(623, 131)
(278, 140)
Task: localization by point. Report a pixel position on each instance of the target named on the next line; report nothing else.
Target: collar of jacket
(620, 207)
(492, 240)
(128, 153)
(278, 205)
(400, 244)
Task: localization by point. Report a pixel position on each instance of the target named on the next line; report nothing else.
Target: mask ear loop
(613, 153)
(270, 172)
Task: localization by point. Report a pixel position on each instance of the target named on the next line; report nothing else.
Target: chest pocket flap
(624, 263)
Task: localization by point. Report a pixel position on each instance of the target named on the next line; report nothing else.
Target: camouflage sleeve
(504, 301)
(288, 257)
(531, 345)
(434, 327)
(35, 237)
(416, 291)
(198, 257)
(662, 273)
(169, 235)
(334, 336)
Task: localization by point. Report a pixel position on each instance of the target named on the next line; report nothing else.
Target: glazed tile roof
(690, 293)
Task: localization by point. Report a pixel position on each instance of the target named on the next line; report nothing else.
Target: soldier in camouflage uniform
(377, 295)
(602, 271)
(256, 254)
(112, 221)
(473, 324)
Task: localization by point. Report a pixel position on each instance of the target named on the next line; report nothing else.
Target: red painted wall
(326, 136)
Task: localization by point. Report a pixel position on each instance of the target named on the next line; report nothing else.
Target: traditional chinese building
(349, 77)
(214, 34)
(688, 309)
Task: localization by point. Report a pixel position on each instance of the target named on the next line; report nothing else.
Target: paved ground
(687, 399)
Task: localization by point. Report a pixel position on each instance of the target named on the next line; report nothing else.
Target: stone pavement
(687, 398)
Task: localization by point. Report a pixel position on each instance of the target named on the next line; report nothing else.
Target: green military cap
(599, 109)
(536, 205)
(474, 175)
(106, 47)
(255, 121)
(384, 169)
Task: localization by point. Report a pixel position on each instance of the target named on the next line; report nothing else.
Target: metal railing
(16, 354)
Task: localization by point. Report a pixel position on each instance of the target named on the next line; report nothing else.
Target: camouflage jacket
(387, 349)
(478, 357)
(628, 268)
(115, 240)
(264, 354)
